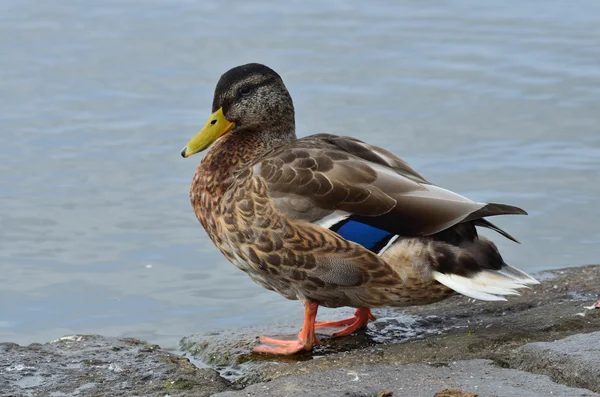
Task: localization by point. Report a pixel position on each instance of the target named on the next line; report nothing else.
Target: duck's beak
(216, 126)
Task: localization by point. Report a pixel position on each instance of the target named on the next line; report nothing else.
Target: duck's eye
(245, 91)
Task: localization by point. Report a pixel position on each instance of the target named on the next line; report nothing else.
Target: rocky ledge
(544, 342)
(92, 365)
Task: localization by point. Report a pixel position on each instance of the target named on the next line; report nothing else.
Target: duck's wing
(332, 180)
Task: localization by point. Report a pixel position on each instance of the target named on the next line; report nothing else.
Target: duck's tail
(461, 260)
(487, 285)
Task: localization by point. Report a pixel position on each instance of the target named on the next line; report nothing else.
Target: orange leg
(361, 318)
(306, 337)
(597, 305)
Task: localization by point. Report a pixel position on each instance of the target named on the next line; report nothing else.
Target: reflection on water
(496, 101)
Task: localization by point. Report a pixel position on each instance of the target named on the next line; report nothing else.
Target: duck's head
(251, 97)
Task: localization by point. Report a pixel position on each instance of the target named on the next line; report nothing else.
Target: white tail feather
(488, 285)
(517, 274)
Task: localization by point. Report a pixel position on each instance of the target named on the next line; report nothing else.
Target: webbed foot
(304, 342)
(361, 319)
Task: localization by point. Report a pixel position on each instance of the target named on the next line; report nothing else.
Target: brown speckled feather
(295, 258)
(249, 213)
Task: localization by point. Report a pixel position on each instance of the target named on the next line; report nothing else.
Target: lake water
(499, 101)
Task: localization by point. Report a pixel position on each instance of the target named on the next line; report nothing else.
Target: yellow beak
(216, 126)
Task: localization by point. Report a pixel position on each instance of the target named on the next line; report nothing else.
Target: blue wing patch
(370, 237)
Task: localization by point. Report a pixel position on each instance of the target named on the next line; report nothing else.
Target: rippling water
(496, 101)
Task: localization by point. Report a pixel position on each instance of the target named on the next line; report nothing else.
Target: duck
(331, 220)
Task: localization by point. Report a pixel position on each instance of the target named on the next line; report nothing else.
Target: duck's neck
(236, 150)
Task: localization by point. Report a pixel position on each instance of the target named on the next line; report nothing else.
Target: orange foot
(284, 346)
(361, 318)
(306, 337)
(597, 305)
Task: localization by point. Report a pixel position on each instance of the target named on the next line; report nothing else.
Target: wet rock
(230, 351)
(574, 360)
(420, 350)
(471, 378)
(456, 329)
(95, 366)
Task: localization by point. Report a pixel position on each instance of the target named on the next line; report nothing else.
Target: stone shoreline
(544, 342)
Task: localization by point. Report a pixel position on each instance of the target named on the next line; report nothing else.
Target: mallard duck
(330, 220)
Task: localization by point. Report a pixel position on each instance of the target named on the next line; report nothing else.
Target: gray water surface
(499, 101)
